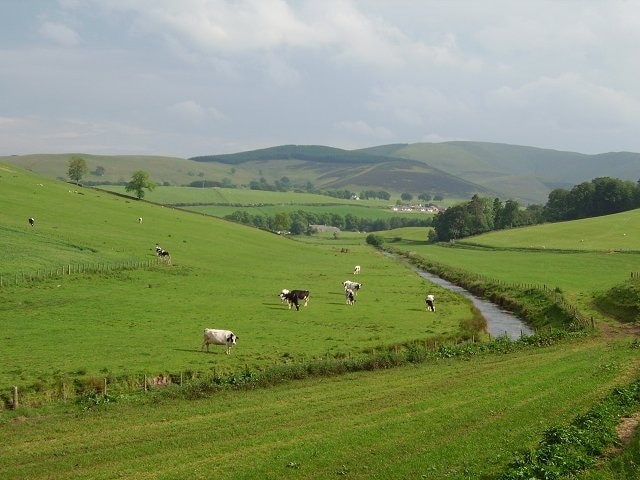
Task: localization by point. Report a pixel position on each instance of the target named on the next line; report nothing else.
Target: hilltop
(451, 169)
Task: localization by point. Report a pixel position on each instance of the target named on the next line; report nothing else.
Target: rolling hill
(450, 169)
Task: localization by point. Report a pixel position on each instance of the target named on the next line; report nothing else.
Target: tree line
(301, 222)
(600, 196)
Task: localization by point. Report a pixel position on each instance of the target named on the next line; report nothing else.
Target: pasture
(150, 320)
(578, 269)
(224, 201)
(455, 418)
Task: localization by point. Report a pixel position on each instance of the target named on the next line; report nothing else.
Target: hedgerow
(568, 449)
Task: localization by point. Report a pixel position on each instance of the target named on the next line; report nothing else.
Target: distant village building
(416, 208)
(324, 228)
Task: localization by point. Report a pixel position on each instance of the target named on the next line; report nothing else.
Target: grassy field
(449, 419)
(549, 254)
(222, 275)
(442, 419)
(224, 201)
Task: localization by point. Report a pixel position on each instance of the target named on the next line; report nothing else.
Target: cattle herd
(292, 298)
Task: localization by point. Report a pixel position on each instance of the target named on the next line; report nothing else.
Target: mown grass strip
(443, 419)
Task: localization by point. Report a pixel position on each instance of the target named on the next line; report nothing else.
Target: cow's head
(231, 339)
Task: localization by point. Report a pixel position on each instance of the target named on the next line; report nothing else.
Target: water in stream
(499, 322)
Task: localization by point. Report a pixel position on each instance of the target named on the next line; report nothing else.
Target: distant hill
(524, 173)
(451, 169)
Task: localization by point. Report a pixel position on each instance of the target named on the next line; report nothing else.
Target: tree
(77, 169)
(140, 181)
(407, 197)
(282, 222)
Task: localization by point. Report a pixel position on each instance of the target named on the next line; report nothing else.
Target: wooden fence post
(104, 388)
(145, 384)
(15, 398)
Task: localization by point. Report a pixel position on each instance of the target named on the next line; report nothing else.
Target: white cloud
(191, 111)
(362, 128)
(59, 33)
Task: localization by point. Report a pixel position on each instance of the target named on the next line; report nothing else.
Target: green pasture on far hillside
(224, 201)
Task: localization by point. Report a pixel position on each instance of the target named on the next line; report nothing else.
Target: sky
(199, 77)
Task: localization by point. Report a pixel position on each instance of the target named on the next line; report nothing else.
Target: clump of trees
(300, 221)
(600, 196)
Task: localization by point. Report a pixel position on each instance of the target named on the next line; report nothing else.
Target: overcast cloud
(196, 77)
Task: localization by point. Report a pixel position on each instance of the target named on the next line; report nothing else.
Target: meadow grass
(443, 419)
(223, 275)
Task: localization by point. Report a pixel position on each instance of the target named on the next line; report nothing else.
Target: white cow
(356, 270)
(219, 337)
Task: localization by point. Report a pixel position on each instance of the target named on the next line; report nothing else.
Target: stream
(499, 321)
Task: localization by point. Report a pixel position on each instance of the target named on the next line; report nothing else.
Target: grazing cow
(301, 295)
(356, 270)
(139, 219)
(219, 337)
(291, 298)
(164, 255)
(32, 221)
(431, 303)
(349, 295)
(348, 284)
(282, 295)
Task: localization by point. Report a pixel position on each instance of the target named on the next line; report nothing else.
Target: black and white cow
(350, 296)
(282, 295)
(431, 303)
(32, 221)
(355, 286)
(291, 299)
(293, 296)
(302, 295)
(219, 337)
(163, 254)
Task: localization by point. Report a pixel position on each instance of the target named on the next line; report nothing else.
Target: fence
(57, 272)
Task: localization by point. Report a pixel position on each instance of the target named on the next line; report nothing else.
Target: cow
(431, 303)
(219, 337)
(164, 255)
(282, 295)
(348, 284)
(350, 297)
(139, 219)
(301, 295)
(291, 298)
(356, 270)
(32, 221)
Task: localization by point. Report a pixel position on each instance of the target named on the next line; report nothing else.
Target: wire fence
(23, 278)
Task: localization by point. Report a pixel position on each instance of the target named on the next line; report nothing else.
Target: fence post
(104, 388)
(145, 384)
(15, 398)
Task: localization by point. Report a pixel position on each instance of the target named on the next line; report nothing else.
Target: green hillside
(450, 169)
(524, 173)
(454, 415)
